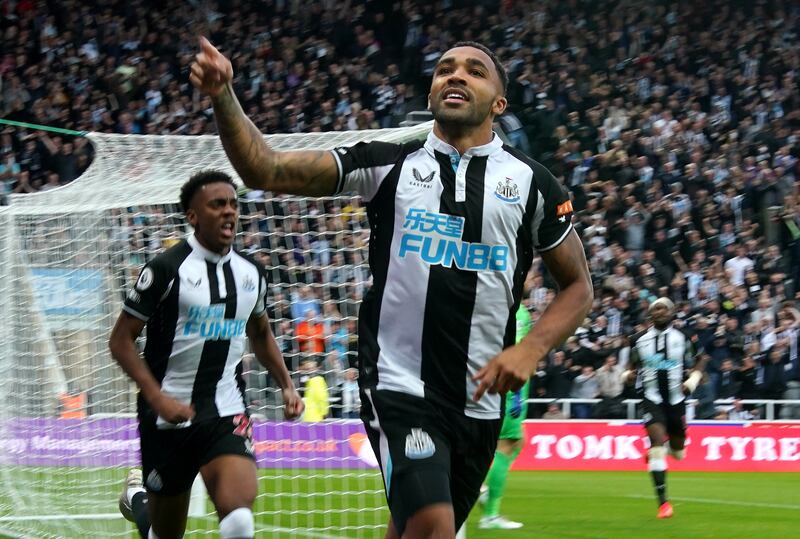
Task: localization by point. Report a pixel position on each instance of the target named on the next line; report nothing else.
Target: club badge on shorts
(154, 481)
(419, 445)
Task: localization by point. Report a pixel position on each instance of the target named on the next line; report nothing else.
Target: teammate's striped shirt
(452, 238)
(196, 304)
(663, 355)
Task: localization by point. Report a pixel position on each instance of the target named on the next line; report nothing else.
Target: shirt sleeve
(263, 281)
(553, 216)
(689, 353)
(152, 286)
(364, 166)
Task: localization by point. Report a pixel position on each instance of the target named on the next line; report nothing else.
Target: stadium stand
(676, 126)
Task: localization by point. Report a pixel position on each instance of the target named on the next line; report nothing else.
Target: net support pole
(56, 378)
(6, 280)
(6, 343)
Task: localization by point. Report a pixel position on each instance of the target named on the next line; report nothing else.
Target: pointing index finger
(486, 376)
(206, 45)
(478, 375)
(484, 385)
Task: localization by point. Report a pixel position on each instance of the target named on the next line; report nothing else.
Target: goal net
(67, 412)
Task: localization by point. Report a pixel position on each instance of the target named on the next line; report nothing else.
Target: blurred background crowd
(674, 125)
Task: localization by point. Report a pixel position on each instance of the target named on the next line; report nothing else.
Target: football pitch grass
(614, 505)
(554, 505)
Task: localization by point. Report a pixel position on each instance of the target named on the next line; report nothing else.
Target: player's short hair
(198, 180)
(498, 65)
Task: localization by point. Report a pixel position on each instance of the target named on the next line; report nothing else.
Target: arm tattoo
(300, 172)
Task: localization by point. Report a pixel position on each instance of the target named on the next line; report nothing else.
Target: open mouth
(228, 230)
(453, 95)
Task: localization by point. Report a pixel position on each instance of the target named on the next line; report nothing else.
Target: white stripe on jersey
(403, 304)
(663, 353)
(485, 340)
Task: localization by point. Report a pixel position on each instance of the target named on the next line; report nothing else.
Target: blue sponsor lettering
(457, 252)
(479, 256)
(410, 243)
(461, 254)
(420, 220)
(659, 362)
(213, 330)
(427, 254)
(436, 239)
(498, 258)
(209, 322)
(202, 312)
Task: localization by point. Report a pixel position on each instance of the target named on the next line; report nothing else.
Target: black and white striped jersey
(196, 304)
(452, 239)
(663, 355)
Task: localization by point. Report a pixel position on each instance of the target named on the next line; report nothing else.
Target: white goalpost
(67, 412)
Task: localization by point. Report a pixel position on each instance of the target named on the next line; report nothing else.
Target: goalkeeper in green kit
(508, 446)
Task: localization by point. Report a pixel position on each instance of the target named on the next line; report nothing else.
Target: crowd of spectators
(675, 126)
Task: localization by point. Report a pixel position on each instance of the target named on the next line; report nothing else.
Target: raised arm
(676, 256)
(309, 173)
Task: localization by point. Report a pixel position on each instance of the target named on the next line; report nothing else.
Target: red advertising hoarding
(766, 446)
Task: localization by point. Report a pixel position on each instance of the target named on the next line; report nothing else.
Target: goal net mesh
(67, 412)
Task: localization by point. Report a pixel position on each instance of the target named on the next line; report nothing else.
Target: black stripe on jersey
(215, 352)
(161, 326)
(663, 385)
(240, 383)
(380, 211)
(213, 283)
(524, 251)
(230, 290)
(663, 374)
(450, 298)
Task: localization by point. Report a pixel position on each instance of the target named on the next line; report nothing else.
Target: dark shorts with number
(428, 454)
(672, 416)
(171, 458)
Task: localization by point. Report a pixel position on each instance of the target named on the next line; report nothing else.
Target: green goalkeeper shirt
(523, 327)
